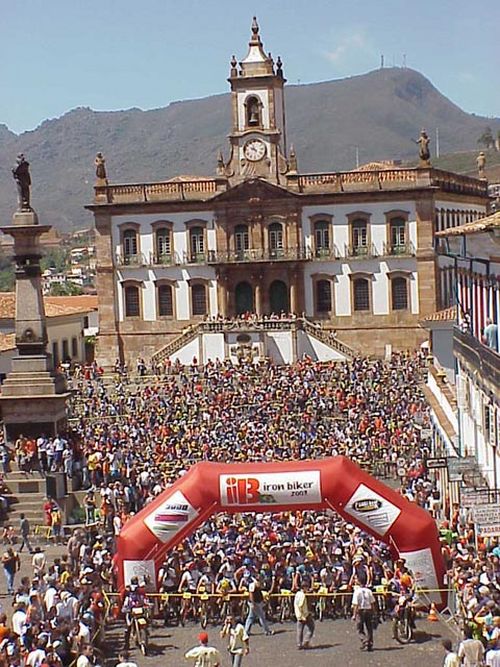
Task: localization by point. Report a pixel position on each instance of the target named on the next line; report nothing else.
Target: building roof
(55, 306)
(7, 342)
(445, 315)
(483, 225)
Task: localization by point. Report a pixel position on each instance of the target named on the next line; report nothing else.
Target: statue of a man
(100, 166)
(21, 174)
(481, 163)
(423, 147)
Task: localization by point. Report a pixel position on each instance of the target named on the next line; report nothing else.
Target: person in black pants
(363, 606)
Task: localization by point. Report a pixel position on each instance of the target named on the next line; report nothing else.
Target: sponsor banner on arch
(372, 510)
(285, 488)
(170, 517)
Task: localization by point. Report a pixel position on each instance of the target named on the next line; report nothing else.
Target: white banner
(277, 488)
(372, 509)
(170, 517)
(422, 567)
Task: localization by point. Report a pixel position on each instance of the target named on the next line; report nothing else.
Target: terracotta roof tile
(55, 306)
(482, 225)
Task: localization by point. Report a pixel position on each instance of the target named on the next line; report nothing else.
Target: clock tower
(258, 137)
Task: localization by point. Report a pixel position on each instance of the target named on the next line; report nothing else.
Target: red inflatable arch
(335, 483)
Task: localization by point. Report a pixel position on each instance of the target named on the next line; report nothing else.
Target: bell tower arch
(258, 132)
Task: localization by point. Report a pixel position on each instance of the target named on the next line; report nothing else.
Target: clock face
(254, 150)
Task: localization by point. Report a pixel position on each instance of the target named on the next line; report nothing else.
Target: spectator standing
(256, 609)
(238, 644)
(24, 527)
(305, 621)
(363, 603)
(470, 650)
(451, 659)
(10, 562)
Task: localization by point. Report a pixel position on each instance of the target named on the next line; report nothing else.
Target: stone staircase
(25, 494)
(323, 335)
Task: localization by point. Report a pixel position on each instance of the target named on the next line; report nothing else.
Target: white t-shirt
(493, 657)
(204, 656)
(363, 598)
(471, 651)
(35, 658)
(83, 661)
(451, 660)
(18, 622)
(237, 639)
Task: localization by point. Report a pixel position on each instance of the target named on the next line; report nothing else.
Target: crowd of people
(131, 439)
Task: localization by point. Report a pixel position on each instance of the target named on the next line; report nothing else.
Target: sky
(116, 54)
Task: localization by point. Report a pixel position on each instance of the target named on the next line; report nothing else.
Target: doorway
(243, 298)
(278, 297)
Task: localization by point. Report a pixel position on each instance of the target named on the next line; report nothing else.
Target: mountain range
(379, 113)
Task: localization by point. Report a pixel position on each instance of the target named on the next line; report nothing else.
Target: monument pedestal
(33, 398)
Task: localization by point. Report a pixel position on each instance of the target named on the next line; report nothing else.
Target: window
(165, 301)
(398, 235)
(163, 242)
(253, 112)
(65, 350)
(197, 243)
(74, 347)
(276, 238)
(129, 243)
(361, 293)
(359, 237)
(199, 299)
(241, 239)
(322, 237)
(323, 296)
(399, 293)
(55, 353)
(132, 301)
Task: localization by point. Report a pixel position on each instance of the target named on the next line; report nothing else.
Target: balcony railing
(481, 357)
(399, 249)
(325, 253)
(360, 251)
(165, 259)
(137, 259)
(196, 257)
(258, 255)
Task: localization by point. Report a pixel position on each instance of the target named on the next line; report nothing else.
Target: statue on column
(100, 167)
(423, 149)
(481, 163)
(21, 174)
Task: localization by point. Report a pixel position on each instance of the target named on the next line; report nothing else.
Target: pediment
(254, 190)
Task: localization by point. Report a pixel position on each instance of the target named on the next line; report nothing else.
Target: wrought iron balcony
(320, 254)
(258, 255)
(360, 251)
(406, 249)
(165, 259)
(137, 259)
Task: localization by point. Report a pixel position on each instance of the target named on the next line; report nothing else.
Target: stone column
(222, 289)
(258, 299)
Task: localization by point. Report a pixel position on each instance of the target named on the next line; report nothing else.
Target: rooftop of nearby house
(55, 306)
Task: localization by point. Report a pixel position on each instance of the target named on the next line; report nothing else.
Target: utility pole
(381, 61)
(437, 141)
(404, 60)
(357, 156)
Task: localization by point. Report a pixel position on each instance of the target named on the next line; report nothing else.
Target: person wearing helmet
(134, 597)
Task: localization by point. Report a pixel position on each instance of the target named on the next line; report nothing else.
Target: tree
(65, 289)
(486, 139)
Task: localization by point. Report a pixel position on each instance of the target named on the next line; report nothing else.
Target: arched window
(361, 294)
(165, 301)
(241, 239)
(253, 112)
(132, 301)
(399, 287)
(130, 246)
(163, 244)
(323, 296)
(197, 243)
(276, 239)
(199, 299)
(322, 237)
(359, 234)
